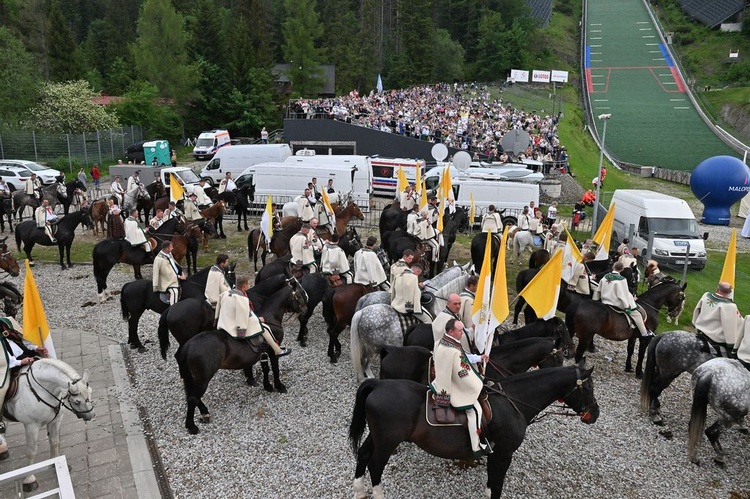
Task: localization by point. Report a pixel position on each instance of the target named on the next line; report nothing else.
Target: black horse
(11, 297)
(398, 241)
(478, 247)
(505, 360)
(392, 218)
(190, 316)
(394, 410)
(71, 188)
(241, 204)
(6, 211)
(203, 355)
(138, 296)
(147, 205)
(28, 233)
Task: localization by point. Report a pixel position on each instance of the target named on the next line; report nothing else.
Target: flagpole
(605, 118)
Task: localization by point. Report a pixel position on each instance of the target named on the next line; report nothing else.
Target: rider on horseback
(167, 274)
(580, 280)
(368, 270)
(201, 198)
(4, 189)
(172, 211)
(134, 181)
(654, 275)
(117, 190)
(406, 294)
(33, 187)
(467, 301)
(400, 266)
(451, 311)
(46, 219)
(217, 282)
(234, 315)
(301, 248)
(333, 260)
(427, 234)
(524, 220)
(613, 290)
(718, 320)
(412, 219)
(457, 384)
(304, 207)
(408, 198)
(314, 239)
(134, 234)
(192, 212)
(492, 221)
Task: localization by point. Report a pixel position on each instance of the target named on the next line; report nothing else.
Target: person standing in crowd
(264, 136)
(97, 176)
(552, 214)
(82, 177)
(329, 187)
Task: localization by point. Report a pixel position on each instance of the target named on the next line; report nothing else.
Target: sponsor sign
(519, 75)
(560, 76)
(540, 76)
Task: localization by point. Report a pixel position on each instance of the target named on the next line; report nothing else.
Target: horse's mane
(63, 367)
(168, 227)
(199, 274)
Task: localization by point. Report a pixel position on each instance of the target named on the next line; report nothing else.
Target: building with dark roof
(541, 10)
(712, 12)
(328, 72)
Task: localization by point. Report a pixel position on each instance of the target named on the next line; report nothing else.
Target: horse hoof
(657, 420)
(223, 236)
(193, 430)
(638, 374)
(4, 455)
(28, 487)
(268, 387)
(251, 382)
(204, 418)
(628, 369)
(302, 342)
(334, 359)
(281, 389)
(719, 461)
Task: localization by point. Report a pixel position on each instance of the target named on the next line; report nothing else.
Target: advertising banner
(559, 76)
(540, 76)
(519, 75)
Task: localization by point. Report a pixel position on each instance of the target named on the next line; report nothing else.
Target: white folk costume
(742, 344)
(117, 192)
(407, 200)
(397, 269)
(165, 278)
(613, 290)
(304, 209)
(157, 222)
(201, 198)
(441, 319)
(32, 187)
(133, 183)
(579, 281)
(45, 219)
(427, 234)
(492, 222)
(367, 268)
(412, 220)
(234, 316)
(192, 212)
(216, 284)
(457, 383)
(467, 302)
(302, 251)
(227, 185)
(135, 235)
(406, 297)
(524, 221)
(315, 241)
(718, 319)
(333, 261)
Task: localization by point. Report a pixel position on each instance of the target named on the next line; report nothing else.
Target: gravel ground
(284, 445)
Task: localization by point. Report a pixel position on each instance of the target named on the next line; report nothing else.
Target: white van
(361, 163)
(671, 221)
(237, 159)
(210, 142)
(285, 181)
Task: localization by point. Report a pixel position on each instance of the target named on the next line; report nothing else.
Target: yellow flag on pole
(574, 251)
(418, 178)
(499, 308)
(423, 197)
(176, 191)
(730, 261)
(542, 292)
(447, 184)
(441, 208)
(401, 181)
(603, 234)
(35, 326)
(472, 210)
(480, 308)
(266, 221)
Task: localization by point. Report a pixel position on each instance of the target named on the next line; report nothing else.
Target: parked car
(15, 177)
(46, 175)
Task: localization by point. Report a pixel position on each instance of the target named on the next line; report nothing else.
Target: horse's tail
(18, 239)
(698, 415)
(163, 334)
(250, 247)
(123, 303)
(355, 347)
(649, 373)
(329, 314)
(359, 415)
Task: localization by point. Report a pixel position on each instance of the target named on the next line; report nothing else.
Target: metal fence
(71, 149)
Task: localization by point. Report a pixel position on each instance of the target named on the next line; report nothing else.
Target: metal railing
(59, 465)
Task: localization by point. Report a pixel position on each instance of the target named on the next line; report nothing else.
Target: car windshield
(188, 176)
(204, 143)
(675, 227)
(35, 167)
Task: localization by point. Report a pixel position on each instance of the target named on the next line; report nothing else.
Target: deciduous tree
(70, 107)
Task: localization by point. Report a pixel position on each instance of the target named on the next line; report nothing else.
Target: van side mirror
(705, 236)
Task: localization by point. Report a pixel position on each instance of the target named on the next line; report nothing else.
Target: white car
(15, 177)
(46, 175)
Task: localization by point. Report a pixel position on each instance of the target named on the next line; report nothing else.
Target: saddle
(442, 414)
(254, 342)
(627, 316)
(297, 270)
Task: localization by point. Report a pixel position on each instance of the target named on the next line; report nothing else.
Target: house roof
(712, 13)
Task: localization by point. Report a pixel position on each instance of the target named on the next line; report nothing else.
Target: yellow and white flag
(499, 308)
(329, 209)
(441, 208)
(423, 197)
(446, 184)
(35, 326)
(542, 292)
(418, 178)
(176, 191)
(481, 307)
(472, 210)
(571, 255)
(603, 235)
(730, 261)
(401, 181)
(266, 221)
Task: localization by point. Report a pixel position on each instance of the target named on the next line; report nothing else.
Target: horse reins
(29, 374)
(505, 372)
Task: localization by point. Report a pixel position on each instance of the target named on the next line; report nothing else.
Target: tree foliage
(448, 56)
(301, 30)
(20, 79)
(141, 106)
(70, 107)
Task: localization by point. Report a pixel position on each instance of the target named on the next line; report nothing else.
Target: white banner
(519, 75)
(560, 76)
(540, 76)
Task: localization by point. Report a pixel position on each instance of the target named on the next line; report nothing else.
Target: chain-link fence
(67, 151)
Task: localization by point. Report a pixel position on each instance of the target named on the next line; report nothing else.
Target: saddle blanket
(627, 317)
(407, 320)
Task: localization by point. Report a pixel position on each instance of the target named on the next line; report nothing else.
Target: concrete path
(108, 456)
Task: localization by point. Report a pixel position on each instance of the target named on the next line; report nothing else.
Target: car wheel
(210, 181)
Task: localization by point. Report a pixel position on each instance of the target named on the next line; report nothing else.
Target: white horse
(521, 239)
(44, 388)
(130, 201)
(290, 208)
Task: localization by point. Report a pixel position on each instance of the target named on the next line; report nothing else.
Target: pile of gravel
(295, 445)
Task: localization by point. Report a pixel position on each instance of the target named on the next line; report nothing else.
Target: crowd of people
(464, 116)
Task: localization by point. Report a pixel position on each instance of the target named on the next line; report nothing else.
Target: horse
(185, 246)
(392, 218)
(521, 239)
(399, 241)
(190, 316)
(394, 410)
(725, 384)
(11, 297)
(203, 355)
(44, 387)
(668, 355)
(28, 233)
(256, 244)
(70, 189)
(315, 286)
(6, 211)
(536, 261)
(138, 296)
(98, 210)
(505, 360)
(215, 215)
(589, 317)
(241, 204)
(8, 262)
(110, 252)
(52, 193)
(156, 191)
(478, 247)
(135, 197)
(339, 305)
(279, 244)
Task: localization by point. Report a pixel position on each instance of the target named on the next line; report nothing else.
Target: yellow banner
(35, 326)
(603, 235)
(176, 191)
(542, 292)
(730, 261)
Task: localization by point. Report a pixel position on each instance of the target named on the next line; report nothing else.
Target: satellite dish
(515, 142)
(462, 161)
(439, 152)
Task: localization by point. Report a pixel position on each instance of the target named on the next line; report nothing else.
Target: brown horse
(256, 243)
(213, 214)
(186, 245)
(339, 305)
(8, 262)
(99, 212)
(343, 215)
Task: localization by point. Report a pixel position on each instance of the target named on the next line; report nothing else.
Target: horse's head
(230, 274)
(61, 190)
(8, 262)
(675, 302)
(355, 210)
(159, 188)
(560, 330)
(461, 219)
(208, 227)
(581, 398)
(12, 299)
(79, 398)
(86, 219)
(298, 299)
(143, 192)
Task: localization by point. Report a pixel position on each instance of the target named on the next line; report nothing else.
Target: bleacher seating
(711, 13)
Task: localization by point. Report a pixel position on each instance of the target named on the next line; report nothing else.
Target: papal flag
(35, 326)
(603, 235)
(571, 255)
(401, 182)
(423, 197)
(730, 261)
(447, 184)
(329, 209)
(542, 292)
(176, 191)
(441, 208)
(472, 210)
(418, 179)
(266, 221)
(499, 308)
(481, 308)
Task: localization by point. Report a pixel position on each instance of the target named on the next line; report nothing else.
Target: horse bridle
(61, 400)
(503, 371)
(5, 257)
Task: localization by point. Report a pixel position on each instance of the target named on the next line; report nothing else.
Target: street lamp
(605, 118)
